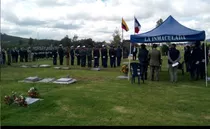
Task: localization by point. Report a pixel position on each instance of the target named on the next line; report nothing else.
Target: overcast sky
(97, 19)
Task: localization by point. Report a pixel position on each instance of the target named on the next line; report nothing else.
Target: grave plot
(47, 80)
(96, 69)
(122, 77)
(31, 79)
(62, 68)
(25, 66)
(65, 81)
(30, 100)
(44, 66)
(34, 66)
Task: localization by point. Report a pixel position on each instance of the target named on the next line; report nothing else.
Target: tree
(116, 38)
(66, 41)
(20, 42)
(159, 22)
(30, 42)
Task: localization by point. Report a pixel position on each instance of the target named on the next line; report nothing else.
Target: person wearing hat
(119, 55)
(154, 62)
(112, 55)
(72, 55)
(77, 53)
(196, 59)
(143, 60)
(89, 56)
(96, 55)
(83, 53)
(61, 54)
(104, 56)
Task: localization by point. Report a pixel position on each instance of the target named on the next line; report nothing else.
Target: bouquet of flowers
(124, 69)
(33, 92)
(20, 101)
(14, 98)
(10, 99)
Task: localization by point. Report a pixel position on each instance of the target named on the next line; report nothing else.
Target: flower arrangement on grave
(14, 98)
(33, 92)
(125, 69)
(9, 99)
(20, 101)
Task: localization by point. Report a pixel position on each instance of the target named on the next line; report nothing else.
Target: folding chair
(135, 72)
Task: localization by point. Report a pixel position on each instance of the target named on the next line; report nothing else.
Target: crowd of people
(194, 58)
(85, 55)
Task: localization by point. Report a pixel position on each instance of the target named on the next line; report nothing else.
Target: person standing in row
(72, 55)
(104, 56)
(67, 56)
(173, 57)
(119, 55)
(134, 52)
(61, 54)
(25, 55)
(187, 58)
(9, 54)
(112, 55)
(54, 54)
(3, 57)
(96, 55)
(154, 62)
(21, 53)
(89, 56)
(143, 60)
(16, 55)
(83, 56)
(77, 53)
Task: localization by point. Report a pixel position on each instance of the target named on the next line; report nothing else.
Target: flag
(137, 26)
(124, 25)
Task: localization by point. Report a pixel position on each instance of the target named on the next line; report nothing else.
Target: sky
(97, 19)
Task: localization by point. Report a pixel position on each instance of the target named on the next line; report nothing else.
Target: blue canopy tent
(170, 31)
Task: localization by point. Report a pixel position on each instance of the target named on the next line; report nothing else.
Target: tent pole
(205, 42)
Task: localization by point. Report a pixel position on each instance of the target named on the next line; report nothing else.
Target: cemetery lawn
(99, 98)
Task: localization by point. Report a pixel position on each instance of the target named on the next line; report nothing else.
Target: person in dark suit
(143, 60)
(89, 56)
(112, 55)
(83, 54)
(134, 52)
(77, 53)
(187, 57)
(104, 56)
(72, 55)
(61, 54)
(96, 55)
(55, 55)
(196, 58)
(119, 55)
(25, 54)
(9, 55)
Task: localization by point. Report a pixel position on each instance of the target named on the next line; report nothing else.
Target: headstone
(96, 69)
(208, 78)
(31, 100)
(65, 81)
(34, 66)
(47, 80)
(44, 66)
(122, 77)
(32, 79)
(24, 66)
(57, 67)
(125, 63)
(65, 68)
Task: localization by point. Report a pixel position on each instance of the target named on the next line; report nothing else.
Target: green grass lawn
(98, 98)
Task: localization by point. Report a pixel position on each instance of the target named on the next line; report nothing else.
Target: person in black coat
(21, 53)
(3, 57)
(104, 56)
(196, 58)
(112, 55)
(143, 60)
(119, 55)
(77, 53)
(187, 57)
(61, 54)
(96, 55)
(25, 55)
(134, 52)
(72, 55)
(54, 55)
